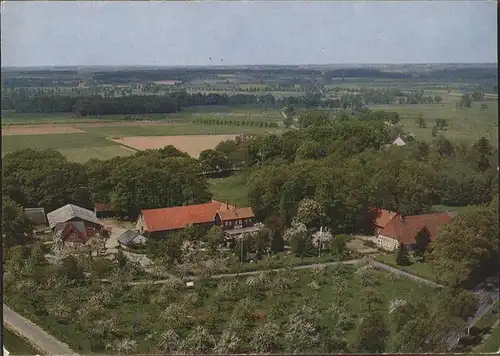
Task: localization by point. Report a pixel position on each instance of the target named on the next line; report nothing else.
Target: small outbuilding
(103, 210)
(36, 216)
(131, 239)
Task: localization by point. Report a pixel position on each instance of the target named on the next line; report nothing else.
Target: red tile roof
(102, 207)
(236, 213)
(383, 217)
(178, 217)
(405, 229)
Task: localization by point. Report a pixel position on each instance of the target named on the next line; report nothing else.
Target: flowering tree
(310, 213)
(266, 338)
(169, 342)
(198, 341)
(297, 236)
(321, 239)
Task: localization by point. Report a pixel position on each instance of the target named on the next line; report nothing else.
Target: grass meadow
(232, 189)
(77, 147)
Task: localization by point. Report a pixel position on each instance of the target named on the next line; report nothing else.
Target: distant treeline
(289, 75)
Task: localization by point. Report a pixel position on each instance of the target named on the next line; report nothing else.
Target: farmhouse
(382, 217)
(404, 229)
(36, 216)
(162, 221)
(72, 213)
(131, 239)
(71, 234)
(165, 220)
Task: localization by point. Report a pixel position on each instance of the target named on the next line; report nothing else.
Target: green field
(222, 111)
(232, 189)
(77, 147)
(16, 345)
(467, 124)
(56, 141)
(420, 269)
(212, 310)
(82, 155)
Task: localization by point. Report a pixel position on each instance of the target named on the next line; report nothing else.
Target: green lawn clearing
(82, 155)
(440, 208)
(232, 189)
(421, 269)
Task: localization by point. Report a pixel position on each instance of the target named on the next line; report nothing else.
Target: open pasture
(193, 144)
(38, 130)
(467, 124)
(77, 147)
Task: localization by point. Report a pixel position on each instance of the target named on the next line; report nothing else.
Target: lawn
(16, 345)
(149, 304)
(232, 189)
(492, 345)
(440, 208)
(420, 269)
(82, 155)
(171, 130)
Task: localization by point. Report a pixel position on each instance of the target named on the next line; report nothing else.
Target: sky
(247, 33)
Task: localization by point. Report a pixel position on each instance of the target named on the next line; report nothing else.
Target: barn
(72, 213)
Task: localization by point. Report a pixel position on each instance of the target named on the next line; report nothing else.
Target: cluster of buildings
(74, 226)
(393, 229)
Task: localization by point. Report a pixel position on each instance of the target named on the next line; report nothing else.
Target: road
(37, 336)
(486, 301)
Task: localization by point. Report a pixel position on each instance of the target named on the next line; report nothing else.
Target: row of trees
(215, 121)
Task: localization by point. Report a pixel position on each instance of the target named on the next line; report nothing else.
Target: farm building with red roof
(403, 230)
(164, 220)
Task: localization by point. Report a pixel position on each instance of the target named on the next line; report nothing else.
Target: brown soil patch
(167, 82)
(127, 123)
(192, 144)
(38, 129)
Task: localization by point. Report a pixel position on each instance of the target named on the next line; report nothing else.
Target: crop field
(193, 144)
(15, 130)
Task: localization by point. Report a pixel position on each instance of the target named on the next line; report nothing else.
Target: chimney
(227, 205)
(401, 217)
